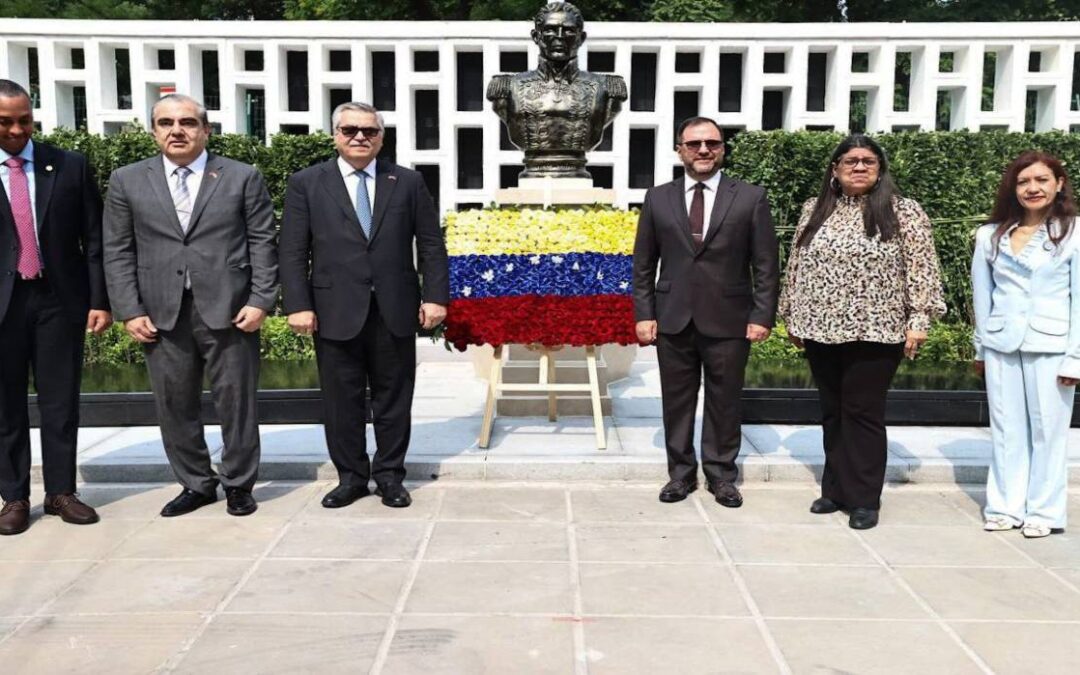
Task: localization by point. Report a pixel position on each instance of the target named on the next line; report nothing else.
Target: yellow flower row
(540, 231)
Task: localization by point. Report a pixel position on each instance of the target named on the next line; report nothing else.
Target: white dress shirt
(352, 181)
(28, 166)
(198, 168)
(711, 185)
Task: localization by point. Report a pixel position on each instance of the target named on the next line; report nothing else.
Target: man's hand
(980, 367)
(431, 315)
(915, 338)
(646, 332)
(303, 323)
(141, 328)
(249, 319)
(756, 333)
(97, 321)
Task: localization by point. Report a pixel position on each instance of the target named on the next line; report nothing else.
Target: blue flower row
(566, 274)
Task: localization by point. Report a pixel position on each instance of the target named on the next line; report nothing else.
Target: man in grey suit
(191, 269)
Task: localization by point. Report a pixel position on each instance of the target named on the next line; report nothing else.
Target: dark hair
(12, 89)
(565, 7)
(879, 216)
(693, 122)
(1007, 208)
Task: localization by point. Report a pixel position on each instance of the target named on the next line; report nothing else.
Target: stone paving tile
(528, 436)
(1021, 649)
(321, 586)
(504, 504)
(454, 645)
(425, 501)
(51, 539)
(184, 537)
(646, 543)
(900, 507)
(151, 586)
(939, 545)
(785, 441)
(783, 505)
(869, 647)
(831, 592)
(792, 544)
(350, 538)
(940, 442)
(629, 505)
(627, 646)
(96, 644)
(257, 644)
(1070, 575)
(139, 502)
(29, 585)
(463, 541)
(657, 589)
(490, 587)
(1057, 550)
(970, 501)
(1022, 594)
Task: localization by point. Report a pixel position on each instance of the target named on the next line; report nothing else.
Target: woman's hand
(915, 338)
(795, 340)
(980, 367)
(1068, 381)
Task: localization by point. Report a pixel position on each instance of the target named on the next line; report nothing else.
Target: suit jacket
(69, 233)
(228, 249)
(1028, 301)
(329, 266)
(730, 281)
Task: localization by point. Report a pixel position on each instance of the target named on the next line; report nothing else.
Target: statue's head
(559, 31)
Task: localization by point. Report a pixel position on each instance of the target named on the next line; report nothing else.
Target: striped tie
(181, 196)
(363, 204)
(29, 264)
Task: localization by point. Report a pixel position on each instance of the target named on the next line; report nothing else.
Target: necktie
(363, 203)
(181, 196)
(29, 264)
(697, 214)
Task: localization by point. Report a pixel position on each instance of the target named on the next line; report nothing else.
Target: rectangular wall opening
(508, 175)
(643, 81)
(78, 104)
(902, 82)
(470, 81)
(78, 58)
(731, 81)
(860, 62)
(426, 115)
(773, 102)
(255, 113)
(817, 81)
(601, 61)
(383, 80)
(642, 158)
(166, 59)
(426, 61)
(602, 176)
(430, 174)
(337, 97)
(686, 105)
(1031, 110)
(989, 79)
(857, 112)
(470, 158)
(775, 62)
(340, 60)
(253, 60)
(294, 129)
(1035, 59)
(122, 58)
(1075, 97)
(211, 79)
(34, 77)
(607, 140)
(943, 111)
(688, 62)
(513, 61)
(946, 62)
(296, 79)
(389, 146)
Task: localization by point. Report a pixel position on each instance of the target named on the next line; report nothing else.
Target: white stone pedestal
(554, 191)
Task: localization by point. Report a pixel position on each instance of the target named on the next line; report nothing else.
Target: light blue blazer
(1030, 301)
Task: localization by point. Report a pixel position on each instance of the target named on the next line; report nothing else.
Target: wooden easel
(546, 385)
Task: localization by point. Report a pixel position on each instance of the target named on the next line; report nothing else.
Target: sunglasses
(350, 131)
(712, 144)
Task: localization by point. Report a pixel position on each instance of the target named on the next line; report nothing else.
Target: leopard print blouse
(845, 286)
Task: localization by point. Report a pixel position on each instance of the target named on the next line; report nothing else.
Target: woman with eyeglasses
(1026, 291)
(861, 288)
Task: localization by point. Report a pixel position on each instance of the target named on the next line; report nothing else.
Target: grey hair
(200, 109)
(356, 106)
(12, 89)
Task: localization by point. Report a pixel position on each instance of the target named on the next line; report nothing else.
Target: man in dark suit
(348, 278)
(52, 290)
(714, 239)
(192, 272)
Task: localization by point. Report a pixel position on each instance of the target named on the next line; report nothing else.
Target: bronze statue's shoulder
(499, 87)
(616, 87)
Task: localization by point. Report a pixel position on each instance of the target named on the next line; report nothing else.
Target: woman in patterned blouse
(861, 288)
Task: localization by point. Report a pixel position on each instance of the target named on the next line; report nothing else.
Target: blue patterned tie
(363, 203)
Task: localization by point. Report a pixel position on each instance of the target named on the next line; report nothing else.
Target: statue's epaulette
(499, 87)
(616, 87)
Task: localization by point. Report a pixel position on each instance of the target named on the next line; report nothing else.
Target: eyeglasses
(184, 122)
(852, 162)
(712, 144)
(350, 131)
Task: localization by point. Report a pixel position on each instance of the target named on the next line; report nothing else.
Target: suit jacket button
(179, 273)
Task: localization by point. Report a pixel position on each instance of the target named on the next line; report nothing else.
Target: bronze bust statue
(557, 112)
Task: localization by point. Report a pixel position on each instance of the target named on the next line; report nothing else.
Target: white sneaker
(1034, 531)
(999, 524)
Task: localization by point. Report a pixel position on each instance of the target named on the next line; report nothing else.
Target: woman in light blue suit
(1026, 278)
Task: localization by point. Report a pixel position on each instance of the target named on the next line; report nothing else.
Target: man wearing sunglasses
(714, 241)
(349, 278)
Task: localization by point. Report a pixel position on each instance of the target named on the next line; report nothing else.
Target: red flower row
(546, 319)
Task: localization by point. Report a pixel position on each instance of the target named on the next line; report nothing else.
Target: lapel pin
(213, 174)
(48, 168)
(391, 177)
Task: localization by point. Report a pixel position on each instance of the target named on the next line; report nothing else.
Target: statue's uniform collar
(566, 75)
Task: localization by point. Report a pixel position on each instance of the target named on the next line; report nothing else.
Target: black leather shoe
(824, 505)
(862, 519)
(726, 494)
(186, 502)
(676, 491)
(343, 495)
(394, 495)
(239, 502)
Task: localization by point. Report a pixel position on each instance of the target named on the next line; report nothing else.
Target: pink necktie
(29, 265)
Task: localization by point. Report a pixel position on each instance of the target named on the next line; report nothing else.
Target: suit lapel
(46, 166)
(211, 179)
(677, 199)
(334, 185)
(725, 195)
(159, 184)
(385, 182)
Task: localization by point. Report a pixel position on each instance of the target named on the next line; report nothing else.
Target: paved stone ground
(498, 577)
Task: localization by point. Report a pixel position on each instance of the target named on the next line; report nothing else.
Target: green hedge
(954, 176)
